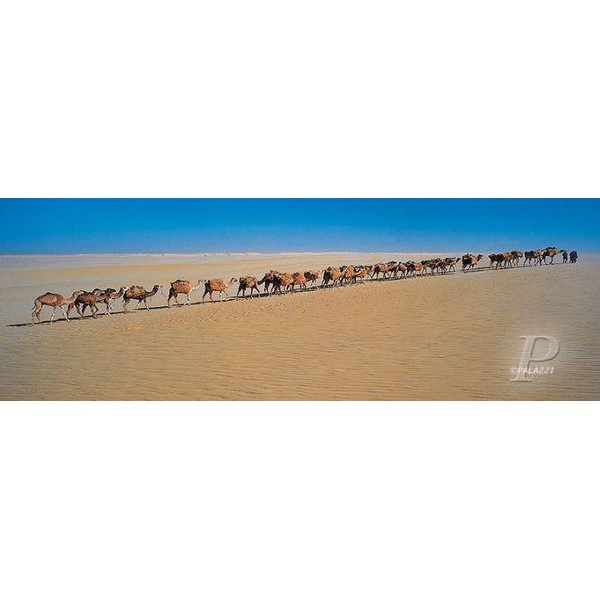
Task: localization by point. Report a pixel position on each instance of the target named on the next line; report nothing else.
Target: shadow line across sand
(265, 295)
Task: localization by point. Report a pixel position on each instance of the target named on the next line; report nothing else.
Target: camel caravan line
(277, 283)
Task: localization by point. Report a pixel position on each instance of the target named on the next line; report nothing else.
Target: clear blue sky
(268, 225)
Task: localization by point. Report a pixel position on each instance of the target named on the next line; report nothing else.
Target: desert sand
(443, 337)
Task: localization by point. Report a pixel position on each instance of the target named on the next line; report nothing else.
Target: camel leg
(146, 304)
(65, 314)
(125, 306)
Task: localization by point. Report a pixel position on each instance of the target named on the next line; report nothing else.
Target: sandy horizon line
(249, 253)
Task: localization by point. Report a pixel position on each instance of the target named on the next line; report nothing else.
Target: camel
(137, 292)
(495, 260)
(470, 261)
(312, 277)
(348, 275)
(533, 257)
(438, 265)
(361, 273)
(550, 252)
(434, 265)
(517, 255)
(282, 281)
(451, 263)
(401, 270)
(503, 260)
(332, 274)
(413, 268)
(55, 301)
(268, 280)
(248, 282)
(217, 285)
(299, 279)
(380, 269)
(182, 286)
(92, 300)
(105, 296)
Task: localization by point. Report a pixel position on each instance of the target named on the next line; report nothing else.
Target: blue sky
(271, 225)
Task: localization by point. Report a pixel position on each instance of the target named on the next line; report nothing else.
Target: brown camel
(349, 275)
(312, 277)
(268, 280)
(298, 279)
(137, 292)
(104, 296)
(283, 281)
(550, 252)
(470, 261)
(533, 257)
(217, 285)
(248, 283)
(55, 301)
(91, 300)
(451, 263)
(361, 274)
(332, 275)
(516, 255)
(380, 269)
(182, 286)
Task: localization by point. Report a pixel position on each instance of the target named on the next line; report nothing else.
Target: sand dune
(443, 337)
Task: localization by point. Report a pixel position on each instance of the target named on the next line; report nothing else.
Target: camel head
(158, 288)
